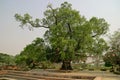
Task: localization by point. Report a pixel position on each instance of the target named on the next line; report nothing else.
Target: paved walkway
(99, 75)
(104, 78)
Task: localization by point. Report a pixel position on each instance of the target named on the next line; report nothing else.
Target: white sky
(13, 39)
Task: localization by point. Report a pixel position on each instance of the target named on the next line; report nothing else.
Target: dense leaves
(32, 53)
(113, 55)
(6, 59)
(68, 33)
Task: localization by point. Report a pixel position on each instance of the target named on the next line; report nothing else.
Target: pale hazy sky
(13, 39)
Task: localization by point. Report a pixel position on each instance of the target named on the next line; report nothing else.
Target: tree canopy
(32, 53)
(112, 57)
(6, 59)
(68, 33)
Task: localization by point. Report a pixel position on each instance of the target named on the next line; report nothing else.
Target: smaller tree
(6, 59)
(113, 55)
(98, 48)
(32, 53)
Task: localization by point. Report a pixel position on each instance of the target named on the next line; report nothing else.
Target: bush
(111, 70)
(26, 68)
(103, 69)
(117, 72)
(91, 69)
(46, 65)
(80, 66)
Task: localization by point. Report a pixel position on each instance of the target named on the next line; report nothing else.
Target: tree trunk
(66, 65)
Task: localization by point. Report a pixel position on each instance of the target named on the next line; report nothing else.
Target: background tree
(6, 59)
(98, 48)
(113, 55)
(67, 32)
(32, 54)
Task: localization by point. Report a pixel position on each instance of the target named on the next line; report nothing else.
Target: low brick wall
(98, 78)
(2, 72)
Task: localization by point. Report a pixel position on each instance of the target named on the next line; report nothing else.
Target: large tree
(68, 33)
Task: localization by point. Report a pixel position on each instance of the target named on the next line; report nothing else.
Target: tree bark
(66, 65)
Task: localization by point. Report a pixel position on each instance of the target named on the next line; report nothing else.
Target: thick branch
(55, 17)
(78, 45)
(38, 25)
(69, 30)
(94, 35)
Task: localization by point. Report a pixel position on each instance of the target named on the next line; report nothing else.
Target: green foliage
(113, 55)
(47, 65)
(108, 64)
(67, 33)
(32, 54)
(6, 59)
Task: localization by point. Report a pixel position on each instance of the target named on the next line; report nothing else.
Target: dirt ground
(98, 74)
